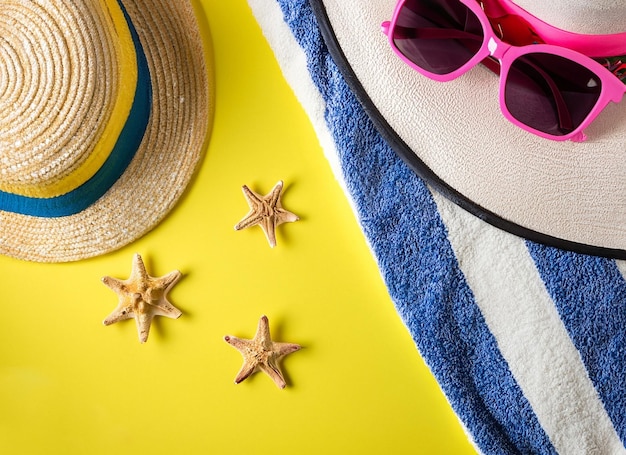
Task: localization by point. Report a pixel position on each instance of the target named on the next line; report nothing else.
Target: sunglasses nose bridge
(497, 48)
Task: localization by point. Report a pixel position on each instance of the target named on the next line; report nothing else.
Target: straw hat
(104, 111)
(453, 134)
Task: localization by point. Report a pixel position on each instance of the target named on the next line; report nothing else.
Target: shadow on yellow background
(69, 385)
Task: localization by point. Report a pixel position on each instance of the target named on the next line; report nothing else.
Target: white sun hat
(453, 134)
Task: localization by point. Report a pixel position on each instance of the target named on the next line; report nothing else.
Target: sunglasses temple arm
(565, 120)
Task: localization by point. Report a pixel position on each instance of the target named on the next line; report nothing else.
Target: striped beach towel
(527, 342)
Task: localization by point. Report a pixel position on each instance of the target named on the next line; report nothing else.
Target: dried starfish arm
(271, 369)
(143, 322)
(268, 224)
(114, 283)
(166, 282)
(246, 349)
(166, 309)
(275, 194)
(138, 271)
(253, 198)
(244, 373)
(282, 349)
(124, 309)
(279, 350)
(249, 221)
(161, 306)
(285, 216)
(121, 313)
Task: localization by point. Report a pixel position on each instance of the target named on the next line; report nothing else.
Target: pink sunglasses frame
(612, 88)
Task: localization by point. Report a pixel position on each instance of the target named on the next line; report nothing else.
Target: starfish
(261, 353)
(142, 297)
(266, 211)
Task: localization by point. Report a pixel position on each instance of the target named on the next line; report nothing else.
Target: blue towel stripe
(397, 214)
(122, 154)
(580, 297)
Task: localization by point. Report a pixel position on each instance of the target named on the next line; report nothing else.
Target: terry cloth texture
(526, 341)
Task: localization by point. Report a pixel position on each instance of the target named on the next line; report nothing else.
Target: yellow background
(69, 385)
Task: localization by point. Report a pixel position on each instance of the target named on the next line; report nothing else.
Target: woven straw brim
(170, 150)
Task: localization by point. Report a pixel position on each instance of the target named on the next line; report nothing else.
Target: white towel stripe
(530, 334)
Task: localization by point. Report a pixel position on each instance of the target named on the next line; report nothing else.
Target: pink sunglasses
(547, 89)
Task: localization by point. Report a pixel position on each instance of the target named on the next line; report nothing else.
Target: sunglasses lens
(550, 93)
(439, 36)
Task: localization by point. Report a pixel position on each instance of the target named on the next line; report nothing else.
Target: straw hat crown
(62, 69)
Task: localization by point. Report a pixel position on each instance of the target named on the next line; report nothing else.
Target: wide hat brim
(164, 162)
(453, 135)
